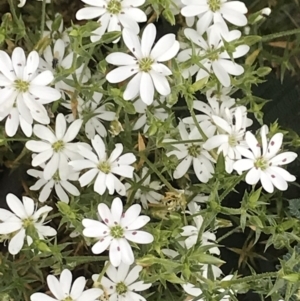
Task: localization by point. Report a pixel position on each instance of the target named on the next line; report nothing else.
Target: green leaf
(251, 40)
(220, 166)
(205, 258)
(108, 37)
(84, 259)
(127, 105)
(198, 85)
(294, 207)
(150, 260)
(172, 278)
(169, 16)
(263, 71)
(254, 197)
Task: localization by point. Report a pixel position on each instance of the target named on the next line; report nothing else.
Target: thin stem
(91, 51)
(17, 20)
(228, 234)
(15, 139)
(43, 17)
(161, 177)
(250, 278)
(182, 142)
(204, 137)
(273, 36)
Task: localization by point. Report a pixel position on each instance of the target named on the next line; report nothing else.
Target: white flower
(146, 192)
(219, 63)
(212, 108)
(24, 91)
(157, 109)
(22, 218)
(263, 164)
(213, 11)
(103, 168)
(191, 153)
(63, 290)
(176, 7)
(93, 113)
(56, 60)
(145, 65)
(23, 2)
(56, 148)
(121, 283)
(114, 14)
(116, 229)
(191, 232)
(230, 137)
(60, 186)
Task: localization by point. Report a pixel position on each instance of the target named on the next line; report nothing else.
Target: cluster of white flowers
(72, 153)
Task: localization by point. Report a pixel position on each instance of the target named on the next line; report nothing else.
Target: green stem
(91, 51)
(161, 177)
(252, 278)
(280, 34)
(17, 21)
(43, 18)
(182, 142)
(204, 137)
(16, 139)
(228, 234)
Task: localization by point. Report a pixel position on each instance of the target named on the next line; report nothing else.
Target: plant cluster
(132, 139)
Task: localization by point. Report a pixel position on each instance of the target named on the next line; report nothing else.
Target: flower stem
(18, 22)
(43, 18)
(181, 142)
(273, 36)
(228, 234)
(250, 278)
(204, 137)
(161, 177)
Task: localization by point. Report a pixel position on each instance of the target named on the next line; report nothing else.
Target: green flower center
(114, 7)
(56, 177)
(261, 163)
(214, 5)
(27, 222)
(145, 64)
(21, 85)
(121, 288)
(104, 167)
(117, 231)
(68, 299)
(213, 55)
(58, 146)
(232, 141)
(194, 150)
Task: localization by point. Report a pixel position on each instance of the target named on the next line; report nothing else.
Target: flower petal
(78, 288)
(55, 287)
(16, 206)
(115, 253)
(65, 281)
(146, 88)
(148, 39)
(126, 252)
(140, 237)
(121, 73)
(253, 176)
(100, 246)
(182, 167)
(130, 215)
